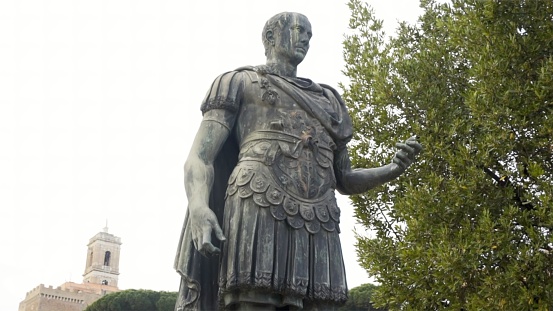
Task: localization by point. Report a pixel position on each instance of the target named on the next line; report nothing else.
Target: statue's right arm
(198, 179)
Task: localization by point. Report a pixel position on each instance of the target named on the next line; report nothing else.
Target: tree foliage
(135, 300)
(360, 299)
(469, 226)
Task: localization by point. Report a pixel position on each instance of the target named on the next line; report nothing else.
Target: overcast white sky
(99, 102)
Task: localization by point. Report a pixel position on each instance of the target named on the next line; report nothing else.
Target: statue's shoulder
(332, 90)
(234, 78)
(245, 68)
(327, 87)
(248, 71)
(260, 69)
(241, 74)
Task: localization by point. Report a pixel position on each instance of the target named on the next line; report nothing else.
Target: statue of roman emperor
(261, 178)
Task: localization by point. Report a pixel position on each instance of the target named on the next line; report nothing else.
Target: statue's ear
(269, 36)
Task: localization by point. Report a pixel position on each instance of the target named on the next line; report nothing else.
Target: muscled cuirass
(286, 155)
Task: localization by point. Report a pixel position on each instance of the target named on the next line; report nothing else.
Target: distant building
(100, 278)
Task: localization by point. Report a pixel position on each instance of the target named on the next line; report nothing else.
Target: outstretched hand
(203, 221)
(406, 153)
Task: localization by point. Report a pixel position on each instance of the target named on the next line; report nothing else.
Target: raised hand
(405, 156)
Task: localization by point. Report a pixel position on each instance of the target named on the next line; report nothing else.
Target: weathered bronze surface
(265, 164)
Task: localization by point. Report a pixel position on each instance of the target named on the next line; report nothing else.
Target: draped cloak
(199, 288)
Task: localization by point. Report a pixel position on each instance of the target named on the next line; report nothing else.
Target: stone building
(100, 278)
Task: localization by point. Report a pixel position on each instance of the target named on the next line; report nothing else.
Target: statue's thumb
(218, 232)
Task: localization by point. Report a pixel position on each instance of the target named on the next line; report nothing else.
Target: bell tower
(102, 260)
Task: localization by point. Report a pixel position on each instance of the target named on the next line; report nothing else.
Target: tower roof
(104, 236)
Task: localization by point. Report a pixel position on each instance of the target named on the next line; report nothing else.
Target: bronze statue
(261, 175)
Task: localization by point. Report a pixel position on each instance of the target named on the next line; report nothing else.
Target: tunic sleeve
(225, 93)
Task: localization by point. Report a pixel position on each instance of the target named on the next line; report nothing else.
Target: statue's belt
(265, 145)
(253, 180)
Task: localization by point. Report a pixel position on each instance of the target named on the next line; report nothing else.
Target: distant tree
(166, 301)
(470, 225)
(135, 300)
(360, 299)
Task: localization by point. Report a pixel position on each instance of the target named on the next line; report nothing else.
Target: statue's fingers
(415, 145)
(404, 157)
(409, 150)
(211, 249)
(206, 236)
(218, 231)
(206, 247)
(204, 252)
(399, 162)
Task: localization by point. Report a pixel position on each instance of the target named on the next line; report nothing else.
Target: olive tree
(469, 227)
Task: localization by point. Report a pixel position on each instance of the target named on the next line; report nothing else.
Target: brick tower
(100, 278)
(102, 261)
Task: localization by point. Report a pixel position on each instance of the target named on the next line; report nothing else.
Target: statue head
(286, 37)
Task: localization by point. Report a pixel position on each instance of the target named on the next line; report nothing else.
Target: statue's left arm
(355, 181)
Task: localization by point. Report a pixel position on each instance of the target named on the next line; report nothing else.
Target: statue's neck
(282, 69)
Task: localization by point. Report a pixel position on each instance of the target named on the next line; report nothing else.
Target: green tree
(135, 300)
(360, 299)
(469, 226)
(166, 301)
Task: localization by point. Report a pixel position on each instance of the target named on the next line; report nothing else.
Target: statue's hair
(275, 24)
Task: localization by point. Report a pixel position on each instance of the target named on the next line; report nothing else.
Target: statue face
(292, 42)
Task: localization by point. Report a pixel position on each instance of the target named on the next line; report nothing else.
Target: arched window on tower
(107, 258)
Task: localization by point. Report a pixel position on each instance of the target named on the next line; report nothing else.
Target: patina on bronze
(261, 176)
